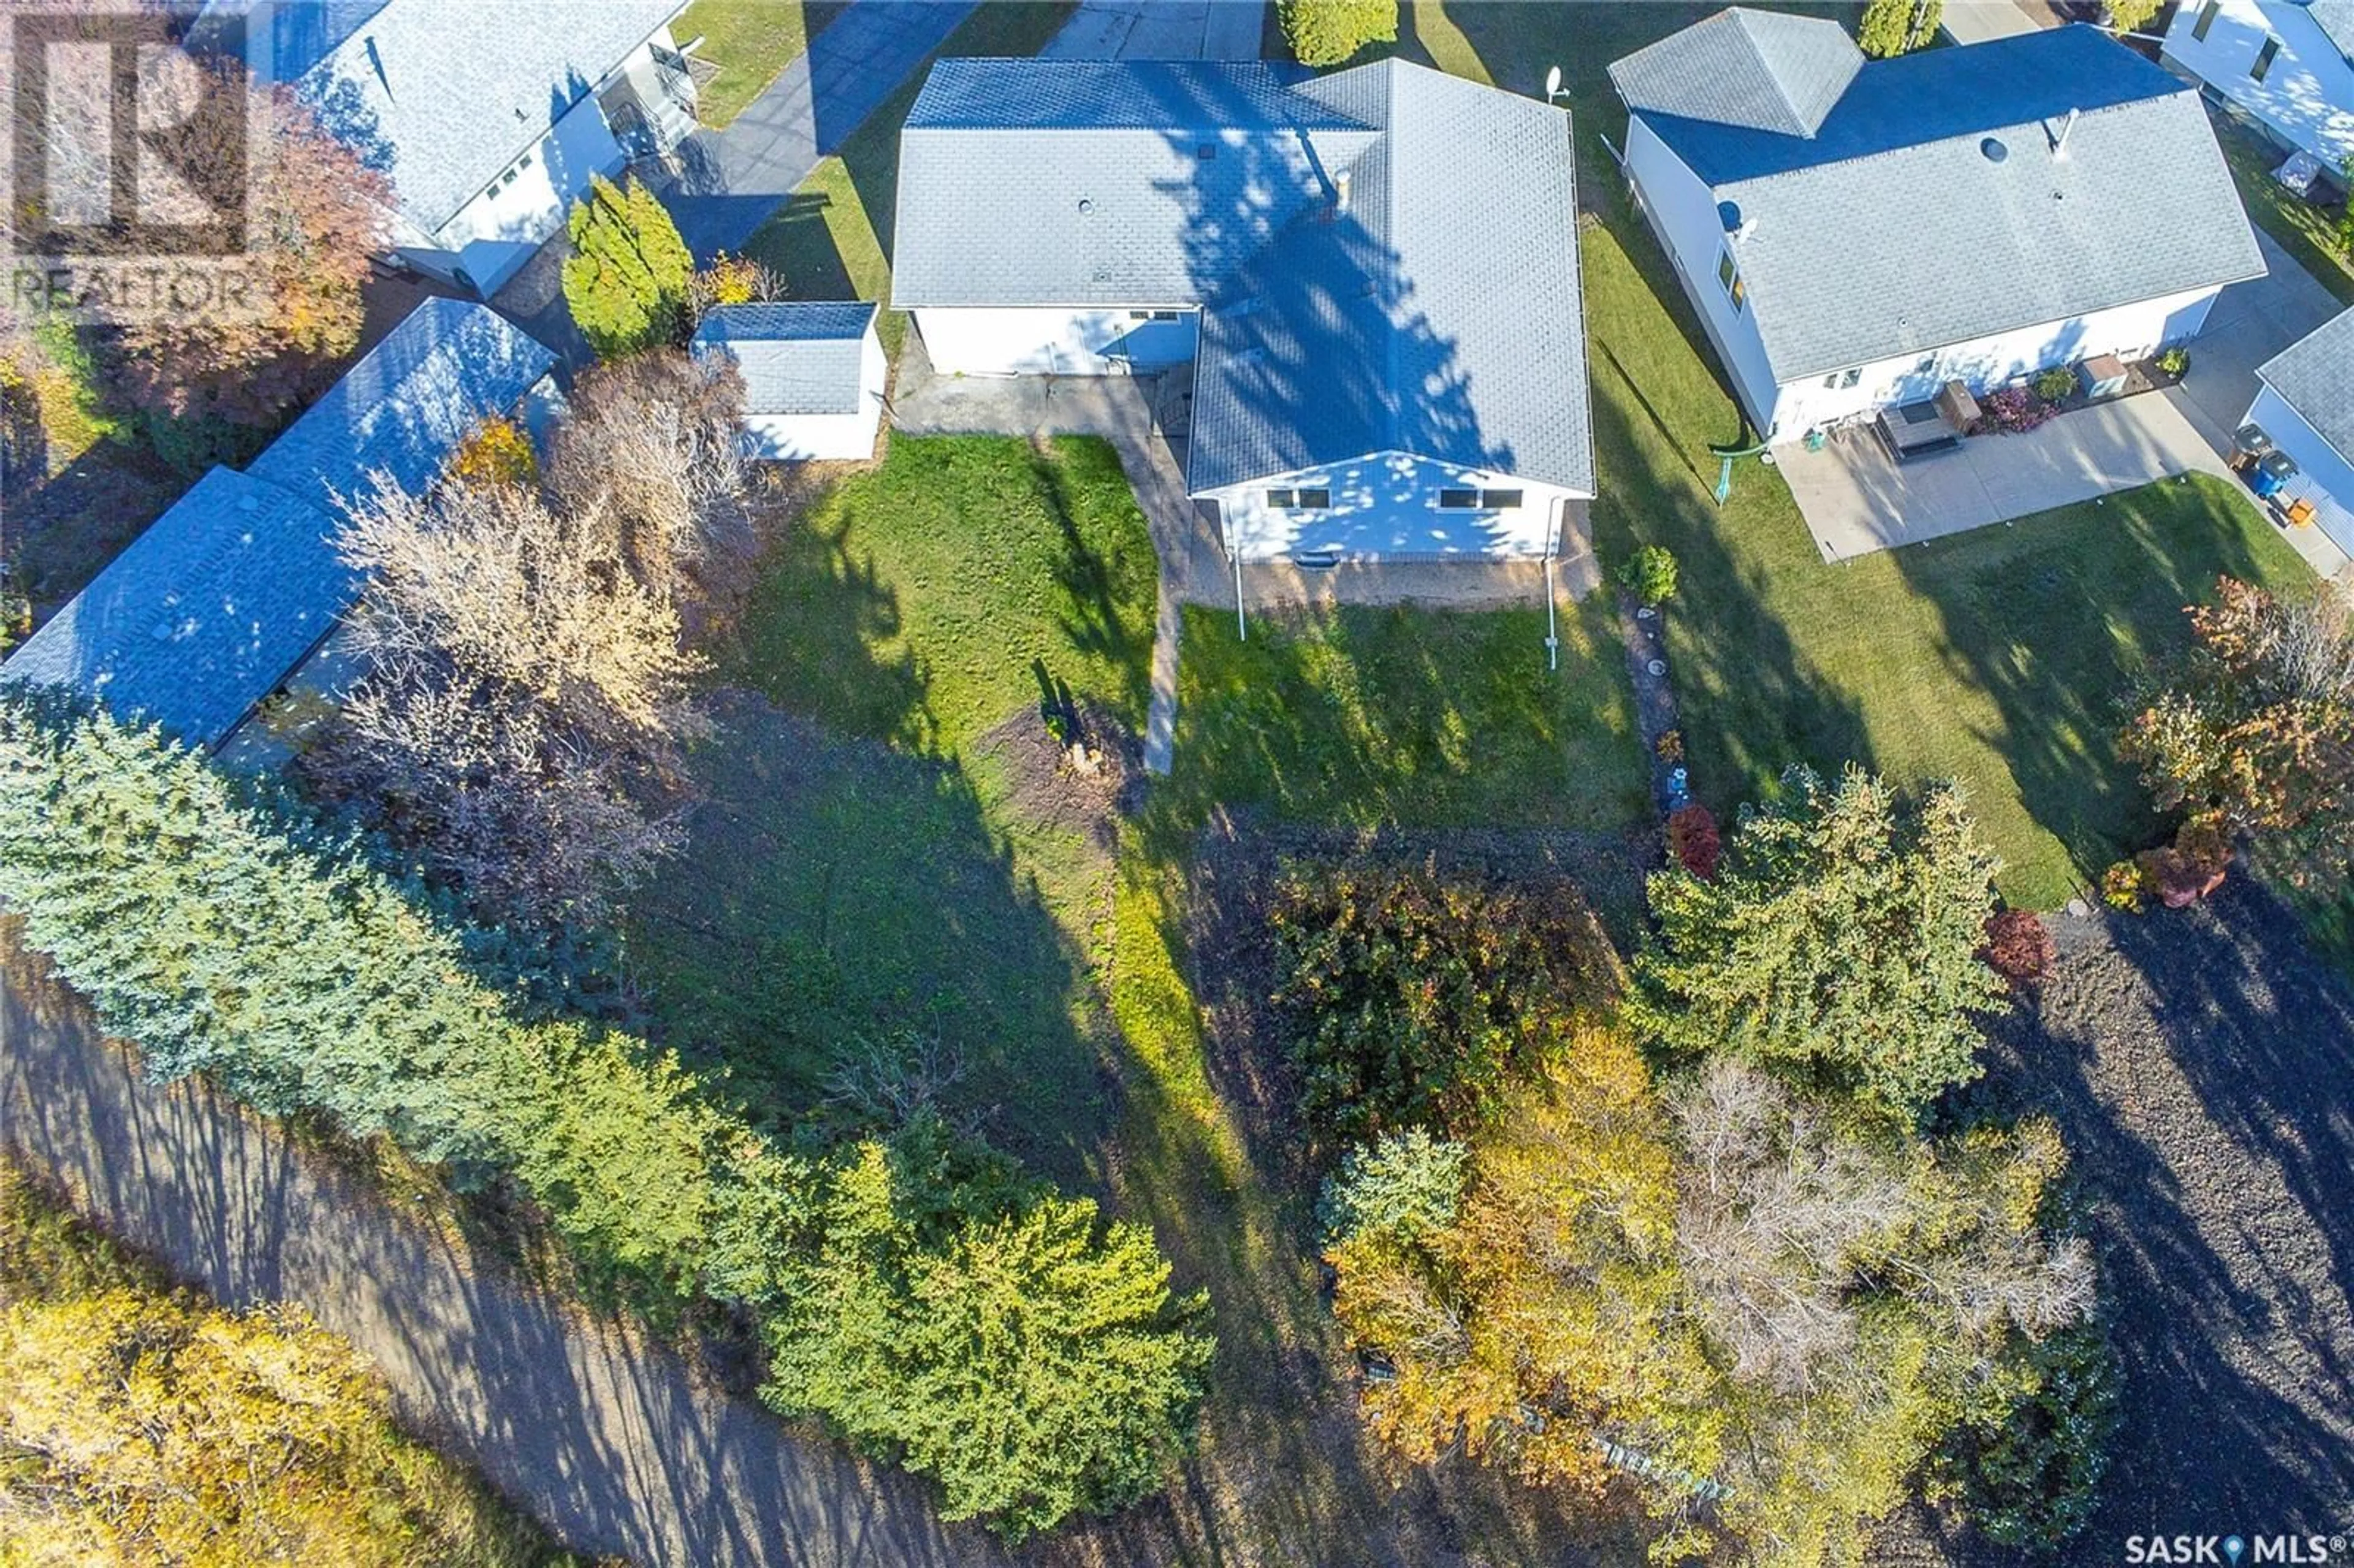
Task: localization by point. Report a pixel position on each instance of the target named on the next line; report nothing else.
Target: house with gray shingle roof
(488, 118)
(2305, 403)
(2285, 67)
(1384, 366)
(208, 610)
(813, 375)
(1860, 234)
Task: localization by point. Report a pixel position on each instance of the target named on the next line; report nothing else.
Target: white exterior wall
(1385, 506)
(786, 438)
(2324, 477)
(2129, 332)
(1103, 340)
(2306, 98)
(1682, 213)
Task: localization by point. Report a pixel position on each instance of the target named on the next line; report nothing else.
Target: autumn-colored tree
(732, 281)
(496, 451)
(145, 1426)
(1839, 943)
(2019, 946)
(1694, 840)
(1892, 28)
(626, 279)
(315, 216)
(2252, 731)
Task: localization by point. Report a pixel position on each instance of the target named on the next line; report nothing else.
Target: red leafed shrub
(2015, 408)
(2018, 945)
(2180, 880)
(1692, 839)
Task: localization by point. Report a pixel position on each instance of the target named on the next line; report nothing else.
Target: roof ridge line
(1743, 14)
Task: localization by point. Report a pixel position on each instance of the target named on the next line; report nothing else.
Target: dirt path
(606, 1439)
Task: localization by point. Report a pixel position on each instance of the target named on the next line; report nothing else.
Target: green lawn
(832, 240)
(1996, 657)
(750, 41)
(1415, 718)
(2306, 231)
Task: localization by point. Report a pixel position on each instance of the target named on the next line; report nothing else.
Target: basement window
(2264, 57)
(1499, 500)
(1459, 500)
(2205, 19)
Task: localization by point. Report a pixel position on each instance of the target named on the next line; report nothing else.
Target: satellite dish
(1552, 84)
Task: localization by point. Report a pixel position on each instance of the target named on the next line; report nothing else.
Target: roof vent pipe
(2060, 139)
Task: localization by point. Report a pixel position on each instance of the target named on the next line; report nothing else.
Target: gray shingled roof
(442, 95)
(211, 608)
(1403, 326)
(1083, 182)
(796, 357)
(2335, 19)
(1398, 321)
(1761, 69)
(1892, 231)
(2315, 376)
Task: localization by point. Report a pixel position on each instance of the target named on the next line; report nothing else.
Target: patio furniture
(1916, 430)
(1961, 408)
(2298, 172)
(2103, 376)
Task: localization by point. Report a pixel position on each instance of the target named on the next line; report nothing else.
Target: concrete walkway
(1857, 499)
(1977, 21)
(1161, 30)
(603, 1434)
(730, 180)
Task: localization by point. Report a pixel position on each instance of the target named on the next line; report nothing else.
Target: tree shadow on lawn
(1089, 612)
(2197, 1062)
(2056, 616)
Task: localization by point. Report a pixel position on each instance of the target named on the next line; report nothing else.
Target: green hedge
(226, 933)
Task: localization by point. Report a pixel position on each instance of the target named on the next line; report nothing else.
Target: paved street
(732, 179)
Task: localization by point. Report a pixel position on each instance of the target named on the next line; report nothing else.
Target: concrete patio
(1857, 499)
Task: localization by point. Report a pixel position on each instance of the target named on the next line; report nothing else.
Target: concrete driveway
(730, 180)
(1857, 499)
(2251, 323)
(1161, 30)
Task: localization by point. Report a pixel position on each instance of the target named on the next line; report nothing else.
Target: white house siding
(2129, 332)
(1006, 341)
(1682, 213)
(2324, 477)
(1385, 507)
(2306, 98)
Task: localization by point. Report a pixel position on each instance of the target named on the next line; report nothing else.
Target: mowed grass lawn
(2000, 657)
(2306, 232)
(750, 41)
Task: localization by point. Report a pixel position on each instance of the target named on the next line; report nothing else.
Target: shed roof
(208, 609)
(2314, 376)
(1959, 193)
(442, 95)
(795, 357)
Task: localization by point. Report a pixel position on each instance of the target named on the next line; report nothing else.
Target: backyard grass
(1411, 718)
(832, 240)
(1998, 657)
(2305, 231)
(750, 41)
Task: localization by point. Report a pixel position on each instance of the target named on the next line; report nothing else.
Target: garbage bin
(2275, 470)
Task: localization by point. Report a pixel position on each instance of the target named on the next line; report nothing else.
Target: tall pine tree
(626, 279)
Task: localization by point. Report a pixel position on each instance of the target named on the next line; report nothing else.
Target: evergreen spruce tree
(626, 279)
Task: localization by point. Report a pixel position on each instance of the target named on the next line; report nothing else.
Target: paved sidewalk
(1161, 30)
(1857, 499)
(730, 180)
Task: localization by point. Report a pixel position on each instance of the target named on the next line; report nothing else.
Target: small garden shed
(813, 375)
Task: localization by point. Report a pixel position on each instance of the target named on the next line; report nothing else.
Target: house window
(1728, 277)
(1499, 500)
(1830, 381)
(1316, 500)
(1282, 499)
(1164, 315)
(1459, 500)
(2264, 57)
(1140, 316)
(1851, 378)
(2205, 19)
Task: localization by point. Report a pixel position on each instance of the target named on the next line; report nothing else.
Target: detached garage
(813, 376)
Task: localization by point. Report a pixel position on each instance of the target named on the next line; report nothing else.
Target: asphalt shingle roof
(1759, 69)
(442, 95)
(2315, 376)
(1896, 228)
(795, 357)
(209, 610)
(2335, 19)
(1344, 234)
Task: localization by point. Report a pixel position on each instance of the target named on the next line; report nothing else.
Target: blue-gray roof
(215, 604)
(1761, 70)
(795, 357)
(2315, 376)
(1342, 232)
(1938, 201)
(2335, 19)
(442, 95)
